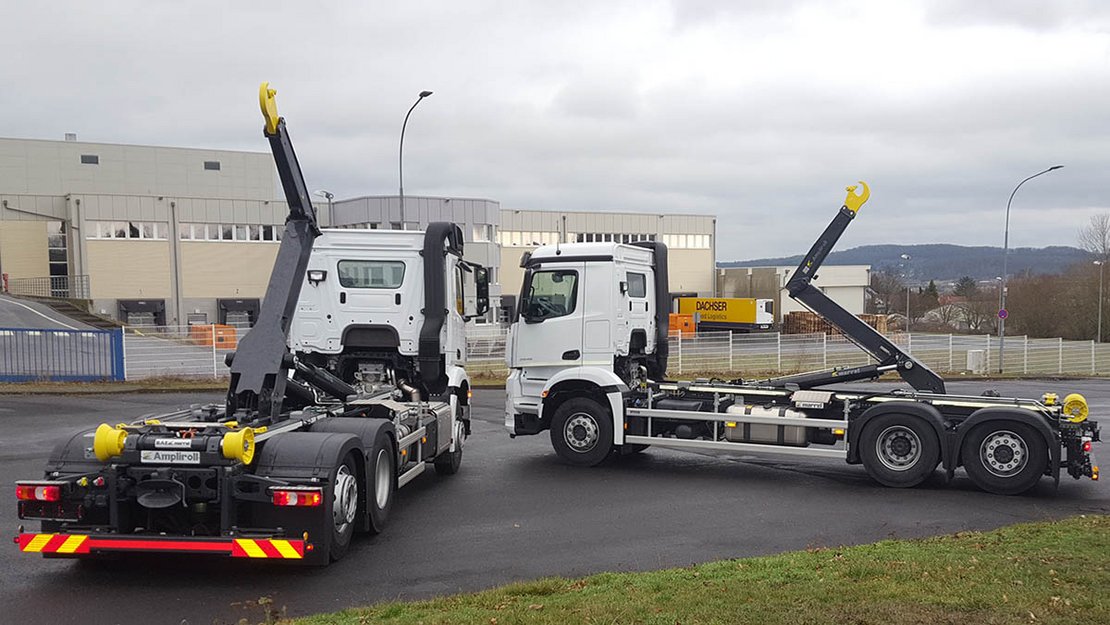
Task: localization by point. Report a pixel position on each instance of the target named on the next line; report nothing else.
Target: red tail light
(297, 496)
(38, 492)
(1086, 446)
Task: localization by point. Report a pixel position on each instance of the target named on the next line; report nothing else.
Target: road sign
(1002, 314)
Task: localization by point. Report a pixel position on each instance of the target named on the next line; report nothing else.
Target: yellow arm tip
(269, 107)
(853, 202)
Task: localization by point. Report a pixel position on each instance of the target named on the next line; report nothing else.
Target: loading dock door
(142, 312)
(241, 313)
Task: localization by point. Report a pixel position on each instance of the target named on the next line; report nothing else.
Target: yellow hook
(853, 202)
(269, 107)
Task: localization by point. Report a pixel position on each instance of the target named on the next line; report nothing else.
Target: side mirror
(624, 287)
(481, 286)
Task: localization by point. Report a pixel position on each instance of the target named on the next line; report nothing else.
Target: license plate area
(51, 510)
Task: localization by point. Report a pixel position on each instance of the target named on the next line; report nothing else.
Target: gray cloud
(759, 113)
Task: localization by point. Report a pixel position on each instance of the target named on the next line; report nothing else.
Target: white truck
(587, 355)
(350, 385)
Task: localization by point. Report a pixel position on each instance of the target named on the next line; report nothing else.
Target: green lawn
(1055, 572)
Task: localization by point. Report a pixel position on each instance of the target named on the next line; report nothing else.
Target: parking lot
(514, 512)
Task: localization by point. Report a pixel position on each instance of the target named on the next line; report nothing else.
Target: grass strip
(1049, 572)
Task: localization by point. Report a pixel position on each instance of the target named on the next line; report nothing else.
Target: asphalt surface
(514, 512)
(18, 313)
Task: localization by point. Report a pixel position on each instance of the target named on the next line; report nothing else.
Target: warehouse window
(371, 274)
(212, 165)
(148, 230)
(90, 159)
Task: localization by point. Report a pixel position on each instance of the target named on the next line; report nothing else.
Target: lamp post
(907, 257)
(329, 196)
(1005, 258)
(1101, 264)
(401, 156)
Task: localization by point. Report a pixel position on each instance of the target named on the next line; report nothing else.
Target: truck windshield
(550, 294)
(371, 274)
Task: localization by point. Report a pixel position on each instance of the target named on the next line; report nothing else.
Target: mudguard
(306, 455)
(605, 380)
(1021, 415)
(925, 412)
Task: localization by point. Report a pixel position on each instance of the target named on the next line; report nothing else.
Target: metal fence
(65, 287)
(60, 355)
(200, 351)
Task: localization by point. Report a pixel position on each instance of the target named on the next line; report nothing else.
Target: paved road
(18, 313)
(513, 513)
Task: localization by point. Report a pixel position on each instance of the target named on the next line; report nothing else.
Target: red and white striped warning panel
(272, 548)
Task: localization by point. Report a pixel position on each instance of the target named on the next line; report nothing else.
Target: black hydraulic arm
(262, 360)
(886, 353)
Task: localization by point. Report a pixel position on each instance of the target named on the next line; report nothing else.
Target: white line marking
(64, 325)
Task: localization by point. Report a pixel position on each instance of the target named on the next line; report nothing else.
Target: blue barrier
(60, 355)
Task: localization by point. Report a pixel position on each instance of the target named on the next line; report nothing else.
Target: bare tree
(1095, 236)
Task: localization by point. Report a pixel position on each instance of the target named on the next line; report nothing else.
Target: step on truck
(350, 385)
(587, 357)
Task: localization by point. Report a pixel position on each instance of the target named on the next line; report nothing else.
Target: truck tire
(448, 462)
(1004, 457)
(899, 450)
(344, 506)
(381, 481)
(582, 432)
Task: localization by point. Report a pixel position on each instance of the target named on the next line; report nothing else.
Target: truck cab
(364, 307)
(589, 320)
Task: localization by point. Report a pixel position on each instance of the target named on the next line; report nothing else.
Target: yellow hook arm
(269, 107)
(853, 202)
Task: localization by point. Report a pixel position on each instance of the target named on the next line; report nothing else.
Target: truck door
(455, 348)
(549, 324)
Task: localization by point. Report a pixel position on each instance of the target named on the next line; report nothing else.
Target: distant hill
(942, 262)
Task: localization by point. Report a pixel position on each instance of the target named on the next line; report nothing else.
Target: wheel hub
(345, 505)
(581, 432)
(1004, 453)
(898, 448)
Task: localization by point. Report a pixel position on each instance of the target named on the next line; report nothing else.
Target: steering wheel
(546, 307)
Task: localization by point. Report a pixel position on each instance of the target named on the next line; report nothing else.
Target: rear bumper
(77, 545)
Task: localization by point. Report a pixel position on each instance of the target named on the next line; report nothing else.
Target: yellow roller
(239, 445)
(108, 442)
(1075, 408)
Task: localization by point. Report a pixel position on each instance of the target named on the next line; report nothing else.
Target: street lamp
(1101, 264)
(907, 274)
(401, 155)
(1005, 259)
(329, 196)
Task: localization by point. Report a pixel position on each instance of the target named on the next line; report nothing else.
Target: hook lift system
(589, 366)
(312, 442)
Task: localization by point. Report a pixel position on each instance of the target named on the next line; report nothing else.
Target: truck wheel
(381, 481)
(1004, 457)
(582, 432)
(448, 462)
(899, 450)
(344, 506)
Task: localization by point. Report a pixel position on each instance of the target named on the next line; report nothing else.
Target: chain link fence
(199, 351)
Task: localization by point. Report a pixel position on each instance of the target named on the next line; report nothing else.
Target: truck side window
(551, 294)
(637, 285)
(371, 274)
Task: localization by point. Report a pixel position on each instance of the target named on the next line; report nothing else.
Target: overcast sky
(758, 112)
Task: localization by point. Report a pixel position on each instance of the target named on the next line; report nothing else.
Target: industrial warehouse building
(169, 236)
(846, 285)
